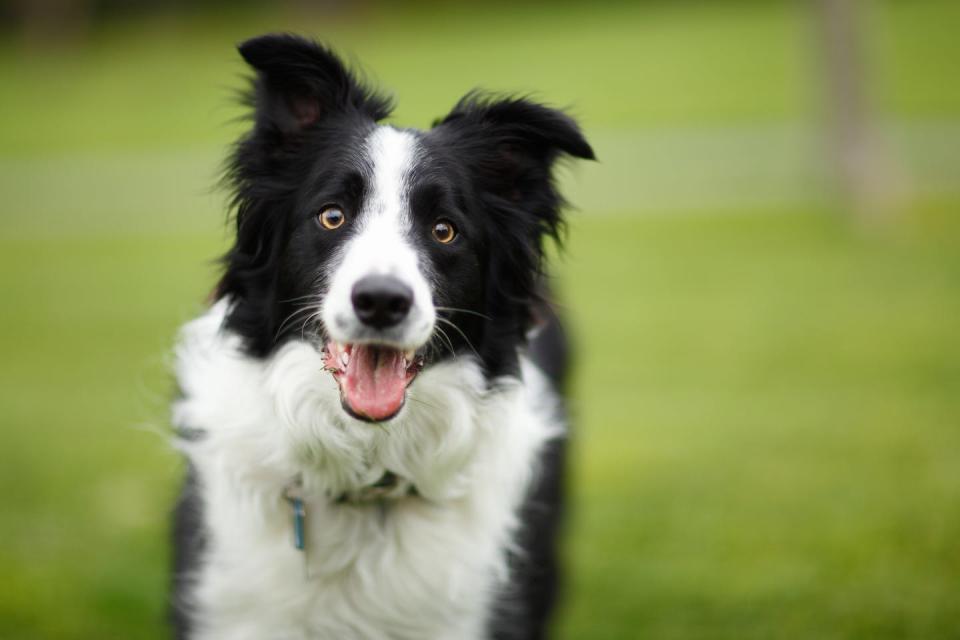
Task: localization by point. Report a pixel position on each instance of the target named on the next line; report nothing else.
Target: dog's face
(389, 249)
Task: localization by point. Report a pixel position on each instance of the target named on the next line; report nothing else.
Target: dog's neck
(388, 488)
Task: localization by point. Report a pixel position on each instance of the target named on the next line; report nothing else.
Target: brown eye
(332, 218)
(444, 231)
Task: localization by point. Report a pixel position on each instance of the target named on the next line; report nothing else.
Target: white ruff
(420, 568)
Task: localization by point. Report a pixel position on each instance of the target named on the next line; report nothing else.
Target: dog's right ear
(299, 83)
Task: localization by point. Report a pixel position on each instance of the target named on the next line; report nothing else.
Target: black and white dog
(374, 444)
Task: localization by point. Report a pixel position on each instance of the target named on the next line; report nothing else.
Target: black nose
(381, 301)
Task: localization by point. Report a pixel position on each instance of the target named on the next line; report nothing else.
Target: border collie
(371, 407)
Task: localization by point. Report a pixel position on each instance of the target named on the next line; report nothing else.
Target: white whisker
(292, 316)
(460, 331)
(458, 310)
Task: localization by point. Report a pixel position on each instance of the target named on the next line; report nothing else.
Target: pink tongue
(375, 381)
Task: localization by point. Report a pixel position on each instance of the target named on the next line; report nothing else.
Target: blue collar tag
(298, 513)
(294, 495)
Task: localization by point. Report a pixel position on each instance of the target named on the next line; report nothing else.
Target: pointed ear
(299, 83)
(511, 146)
(514, 142)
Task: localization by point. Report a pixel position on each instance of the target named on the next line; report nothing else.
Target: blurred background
(762, 272)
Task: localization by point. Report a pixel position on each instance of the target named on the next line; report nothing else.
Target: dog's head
(390, 249)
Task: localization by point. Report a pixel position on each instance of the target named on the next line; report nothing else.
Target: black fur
(499, 154)
(523, 609)
(487, 166)
(189, 540)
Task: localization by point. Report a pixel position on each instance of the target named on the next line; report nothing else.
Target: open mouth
(373, 378)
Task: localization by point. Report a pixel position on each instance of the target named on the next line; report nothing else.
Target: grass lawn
(766, 427)
(768, 441)
(766, 399)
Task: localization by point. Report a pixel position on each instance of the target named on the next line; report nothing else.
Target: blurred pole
(860, 170)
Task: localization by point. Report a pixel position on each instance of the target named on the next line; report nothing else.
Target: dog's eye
(332, 217)
(444, 232)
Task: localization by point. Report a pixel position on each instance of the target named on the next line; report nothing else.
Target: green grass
(766, 427)
(766, 399)
(767, 443)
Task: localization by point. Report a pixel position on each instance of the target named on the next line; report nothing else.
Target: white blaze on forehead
(381, 245)
(391, 155)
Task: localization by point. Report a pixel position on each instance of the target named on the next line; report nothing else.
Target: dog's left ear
(300, 83)
(511, 144)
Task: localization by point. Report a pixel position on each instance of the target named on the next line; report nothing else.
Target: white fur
(421, 567)
(381, 247)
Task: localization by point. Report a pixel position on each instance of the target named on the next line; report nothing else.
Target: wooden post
(859, 167)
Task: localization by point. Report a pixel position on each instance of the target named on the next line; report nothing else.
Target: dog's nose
(381, 301)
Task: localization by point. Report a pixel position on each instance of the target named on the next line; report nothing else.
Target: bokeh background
(762, 273)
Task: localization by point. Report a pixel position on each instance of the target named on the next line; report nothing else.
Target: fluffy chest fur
(425, 566)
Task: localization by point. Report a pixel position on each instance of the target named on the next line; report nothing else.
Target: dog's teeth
(344, 359)
(408, 355)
